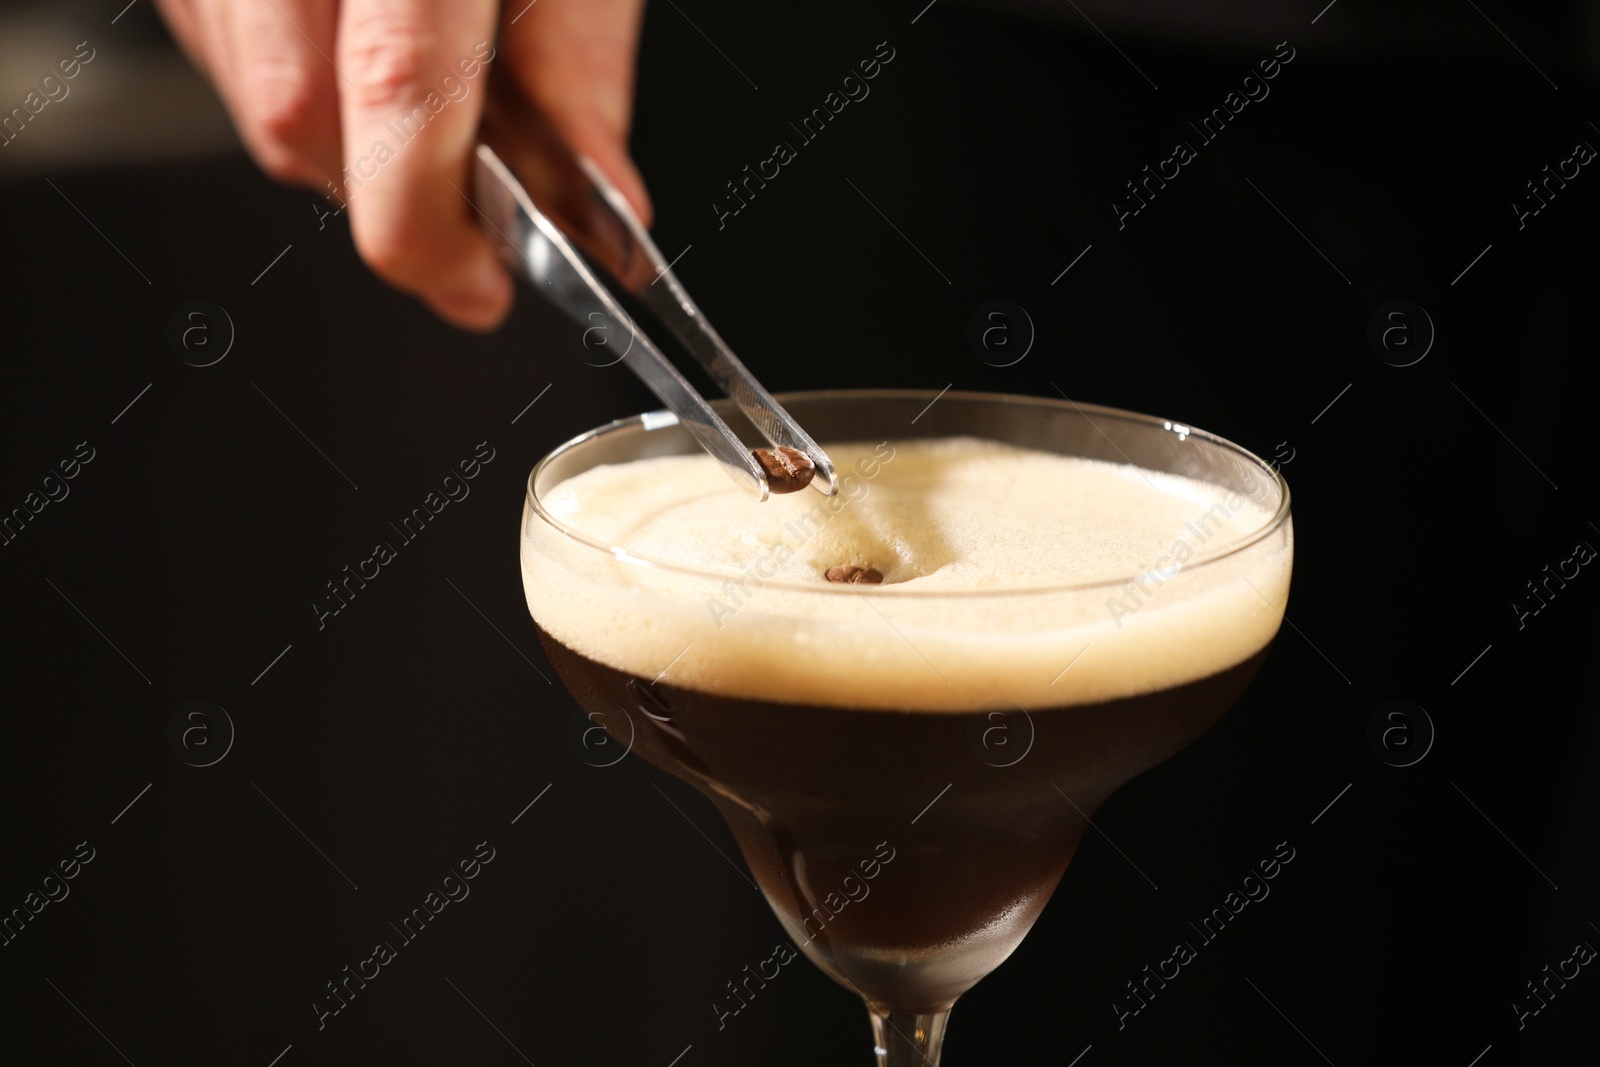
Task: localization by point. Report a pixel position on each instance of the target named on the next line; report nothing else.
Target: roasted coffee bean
(788, 469)
(854, 575)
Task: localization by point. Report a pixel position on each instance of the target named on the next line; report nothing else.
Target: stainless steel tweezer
(580, 209)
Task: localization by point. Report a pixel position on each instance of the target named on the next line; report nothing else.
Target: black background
(420, 721)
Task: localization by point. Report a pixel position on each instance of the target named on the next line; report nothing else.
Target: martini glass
(907, 833)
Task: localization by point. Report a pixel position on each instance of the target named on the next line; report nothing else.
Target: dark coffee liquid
(900, 888)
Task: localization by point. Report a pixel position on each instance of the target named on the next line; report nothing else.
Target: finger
(270, 59)
(180, 19)
(197, 25)
(575, 61)
(409, 119)
(288, 86)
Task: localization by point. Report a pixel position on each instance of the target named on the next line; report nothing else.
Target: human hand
(377, 102)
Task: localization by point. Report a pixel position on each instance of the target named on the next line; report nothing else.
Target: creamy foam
(741, 607)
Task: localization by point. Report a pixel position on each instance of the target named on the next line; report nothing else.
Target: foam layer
(975, 540)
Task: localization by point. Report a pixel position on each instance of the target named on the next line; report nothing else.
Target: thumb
(574, 60)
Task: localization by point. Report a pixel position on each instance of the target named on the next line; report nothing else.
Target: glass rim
(661, 419)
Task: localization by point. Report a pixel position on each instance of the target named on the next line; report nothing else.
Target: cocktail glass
(907, 835)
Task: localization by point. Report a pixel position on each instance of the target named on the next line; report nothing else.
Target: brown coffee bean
(788, 469)
(854, 575)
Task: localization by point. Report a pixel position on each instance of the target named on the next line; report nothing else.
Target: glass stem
(908, 1038)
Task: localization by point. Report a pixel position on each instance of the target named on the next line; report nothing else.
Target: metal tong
(577, 218)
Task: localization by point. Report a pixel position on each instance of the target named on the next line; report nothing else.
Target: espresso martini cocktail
(908, 699)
